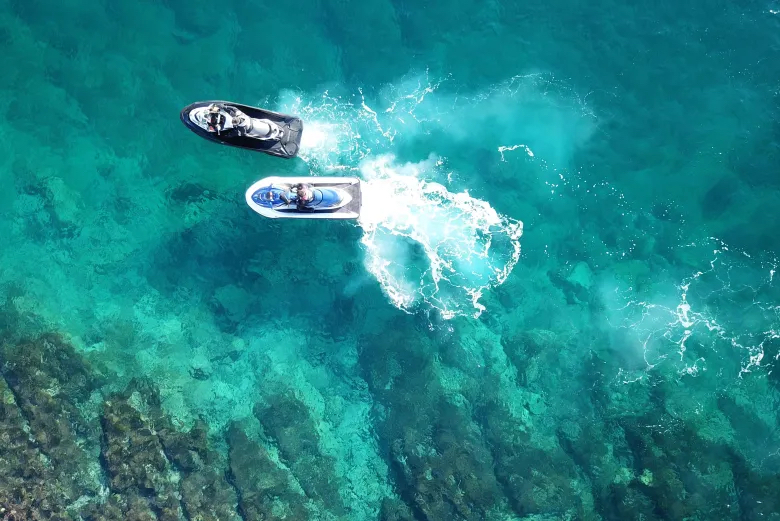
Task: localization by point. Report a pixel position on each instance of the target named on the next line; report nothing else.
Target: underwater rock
(206, 493)
(119, 507)
(207, 496)
(65, 202)
(61, 458)
(395, 510)
(234, 301)
(526, 351)
(462, 440)
(449, 474)
(267, 492)
(200, 368)
(48, 382)
(685, 475)
(536, 480)
(441, 467)
(28, 488)
(605, 458)
(287, 421)
(147, 456)
(571, 285)
(581, 275)
(135, 461)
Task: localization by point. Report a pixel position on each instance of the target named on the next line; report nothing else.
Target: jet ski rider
(305, 195)
(216, 120)
(302, 194)
(242, 125)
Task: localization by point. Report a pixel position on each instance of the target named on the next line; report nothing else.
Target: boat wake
(430, 246)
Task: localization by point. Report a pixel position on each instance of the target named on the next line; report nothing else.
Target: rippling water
(560, 301)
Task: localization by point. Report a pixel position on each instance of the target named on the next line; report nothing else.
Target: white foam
(503, 149)
(727, 309)
(429, 248)
(468, 246)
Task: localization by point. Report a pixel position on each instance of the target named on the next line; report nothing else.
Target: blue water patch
(560, 301)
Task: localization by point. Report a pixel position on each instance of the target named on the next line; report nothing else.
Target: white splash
(319, 137)
(503, 149)
(340, 130)
(429, 246)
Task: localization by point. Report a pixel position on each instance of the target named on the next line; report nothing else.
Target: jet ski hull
(335, 198)
(287, 147)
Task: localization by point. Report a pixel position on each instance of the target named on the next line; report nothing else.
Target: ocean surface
(561, 300)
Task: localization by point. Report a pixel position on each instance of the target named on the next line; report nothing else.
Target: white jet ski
(306, 197)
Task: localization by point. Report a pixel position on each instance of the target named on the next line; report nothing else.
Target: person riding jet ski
(301, 194)
(229, 121)
(304, 195)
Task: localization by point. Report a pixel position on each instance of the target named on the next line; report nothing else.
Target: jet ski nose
(199, 116)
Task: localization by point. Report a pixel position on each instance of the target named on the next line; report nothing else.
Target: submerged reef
(467, 434)
(69, 452)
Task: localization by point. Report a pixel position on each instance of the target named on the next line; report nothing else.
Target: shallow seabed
(561, 301)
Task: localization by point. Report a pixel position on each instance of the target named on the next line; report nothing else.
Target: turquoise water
(560, 302)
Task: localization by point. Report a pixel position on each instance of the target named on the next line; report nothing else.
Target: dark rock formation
(43, 383)
(457, 448)
(125, 461)
(28, 486)
(441, 466)
(267, 492)
(287, 421)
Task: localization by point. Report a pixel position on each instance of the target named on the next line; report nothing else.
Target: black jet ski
(243, 126)
(306, 197)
